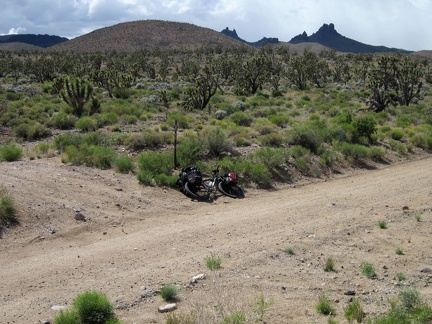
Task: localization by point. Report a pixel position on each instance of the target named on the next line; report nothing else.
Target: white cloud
(18, 30)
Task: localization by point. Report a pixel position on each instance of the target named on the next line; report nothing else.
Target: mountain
(262, 42)
(328, 36)
(147, 34)
(42, 41)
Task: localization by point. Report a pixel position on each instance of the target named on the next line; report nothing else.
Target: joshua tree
(76, 93)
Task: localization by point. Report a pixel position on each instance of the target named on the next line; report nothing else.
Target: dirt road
(137, 238)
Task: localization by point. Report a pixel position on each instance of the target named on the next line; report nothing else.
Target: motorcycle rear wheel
(197, 192)
(232, 190)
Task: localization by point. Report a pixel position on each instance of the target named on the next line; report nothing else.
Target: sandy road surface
(136, 238)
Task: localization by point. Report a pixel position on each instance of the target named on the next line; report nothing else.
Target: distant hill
(17, 47)
(262, 42)
(328, 36)
(147, 34)
(42, 41)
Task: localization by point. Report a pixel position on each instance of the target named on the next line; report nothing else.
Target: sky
(403, 24)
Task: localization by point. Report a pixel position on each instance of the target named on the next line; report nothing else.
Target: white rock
(195, 279)
(167, 308)
(57, 307)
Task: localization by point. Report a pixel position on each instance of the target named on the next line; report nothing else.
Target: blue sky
(392, 23)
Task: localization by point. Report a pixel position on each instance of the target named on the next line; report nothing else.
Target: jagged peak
(229, 32)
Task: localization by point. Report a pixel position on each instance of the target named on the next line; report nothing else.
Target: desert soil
(137, 238)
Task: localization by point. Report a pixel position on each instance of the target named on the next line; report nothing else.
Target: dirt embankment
(136, 238)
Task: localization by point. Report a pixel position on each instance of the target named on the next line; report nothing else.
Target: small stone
(426, 270)
(349, 292)
(80, 217)
(57, 307)
(167, 308)
(405, 208)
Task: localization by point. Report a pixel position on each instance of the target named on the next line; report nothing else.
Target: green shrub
(10, 152)
(156, 162)
(400, 276)
(31, 131)
(368, 270)
(128, 119)
(182, 119)
(241, 118)
(422, 140)
(382, 224)
(399, 251)
(124, 163)
(64, 140)
(324, 306)
(67, 317)
(145, 177)
(87, 124)
(258, 173)
(364, 126)
(93, 307)
(355, 151)
(410, 298)
(8, 215)
(108, 118)
(309, 137)
(261, 306)
(302, 164)
(378, 152)
(235, 318)
(213, 261)
(169, 292)
(279, 120)
(329, 265)
(13, 96)
(63, 120)
(398, 146)
(102, 157)
(271, 139)
(215, 141)
(354, 312)
(397, 134)
(269, 156)
(403, 121)
(166, 180)
(289, 250)
(90, 155)
(189, 150)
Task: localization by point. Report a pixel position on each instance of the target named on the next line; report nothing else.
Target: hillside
(146, 34)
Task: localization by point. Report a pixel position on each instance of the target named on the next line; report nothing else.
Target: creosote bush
(169, 292)
(324, 306)
(382, 224)
(329, 265)
(10, 152)
(8, 215)
(289, 250)
(213, 261)
(354, 311)
(368, 270)
(124, 163)
(90, 307)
